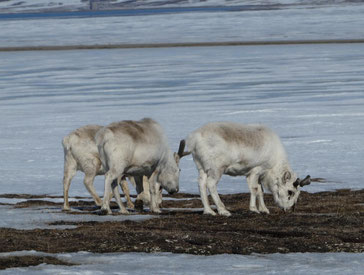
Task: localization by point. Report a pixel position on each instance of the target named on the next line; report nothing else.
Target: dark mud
(322, 222)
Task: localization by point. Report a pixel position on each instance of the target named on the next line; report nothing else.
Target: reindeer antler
(297, 182)
(181, 150)
(305, 181)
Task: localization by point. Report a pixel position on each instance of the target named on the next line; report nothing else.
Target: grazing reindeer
(137, 149)
(253, 151)
(80, 154)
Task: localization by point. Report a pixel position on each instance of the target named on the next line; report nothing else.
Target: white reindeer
(253, 151)
(137, 148)
(81, 154)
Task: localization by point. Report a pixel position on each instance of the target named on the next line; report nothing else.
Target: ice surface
(45, 217)
(167, 263)
(42, 217)
(322, 22)
(311, 95)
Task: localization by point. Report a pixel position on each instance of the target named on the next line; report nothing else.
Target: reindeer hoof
(265, 211)
(124, 212)
(103, 212)
(209, 212)
(254, 210)
(156, 211)
(225, 213)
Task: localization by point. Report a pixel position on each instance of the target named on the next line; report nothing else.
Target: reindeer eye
(290, 193)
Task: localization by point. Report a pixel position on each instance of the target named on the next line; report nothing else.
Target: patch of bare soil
(322, 222)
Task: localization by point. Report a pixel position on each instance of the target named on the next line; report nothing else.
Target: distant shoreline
(179, 44)
(101, 10)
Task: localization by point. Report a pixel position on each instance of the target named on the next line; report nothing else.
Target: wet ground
(322, 222)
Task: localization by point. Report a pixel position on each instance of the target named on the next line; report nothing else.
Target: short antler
(297, 182)
(181, 150)
(305, 181)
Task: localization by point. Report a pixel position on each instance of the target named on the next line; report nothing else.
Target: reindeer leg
(202, 183)
(154, 207)
(70, 168)
(115, 190)
(125, 187)
(254, 189)
(261, 204)
(212, 181)
(88, 181)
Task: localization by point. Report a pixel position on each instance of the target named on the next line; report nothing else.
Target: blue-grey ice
(311, 95)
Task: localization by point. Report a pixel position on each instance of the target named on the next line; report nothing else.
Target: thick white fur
(137, 148)
(81, 154)
(235, 149)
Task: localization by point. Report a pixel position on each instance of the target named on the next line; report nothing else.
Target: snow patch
(142, 263)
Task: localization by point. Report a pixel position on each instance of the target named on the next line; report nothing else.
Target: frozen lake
(256, 21)
(311, 95)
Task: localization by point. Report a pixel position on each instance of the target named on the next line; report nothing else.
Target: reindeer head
(286, 191)
(169, 174)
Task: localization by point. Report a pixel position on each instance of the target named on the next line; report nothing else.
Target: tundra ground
(322, 222)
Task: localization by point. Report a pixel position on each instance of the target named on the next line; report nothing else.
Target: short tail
(66, 144)
(100, 143)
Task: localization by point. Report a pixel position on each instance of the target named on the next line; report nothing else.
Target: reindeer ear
(286, 176)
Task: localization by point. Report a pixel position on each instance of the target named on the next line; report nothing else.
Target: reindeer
(137, 149)
(253, 151)
(81, 154)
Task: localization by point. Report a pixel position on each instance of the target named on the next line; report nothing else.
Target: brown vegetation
(322, 222)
